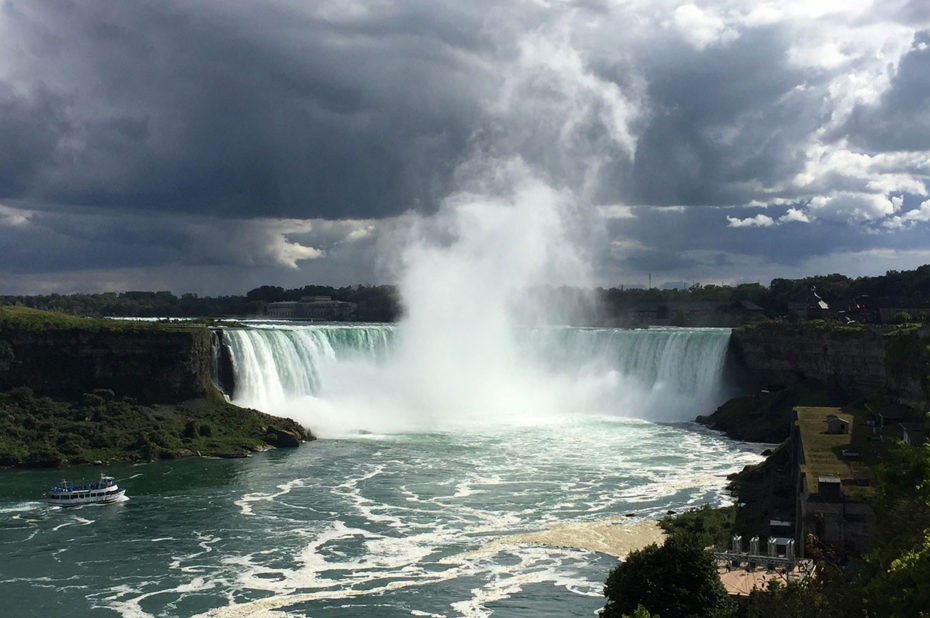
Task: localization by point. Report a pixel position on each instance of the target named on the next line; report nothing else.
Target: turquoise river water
(420, 521)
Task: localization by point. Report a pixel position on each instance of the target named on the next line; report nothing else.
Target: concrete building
(828, 504)
(322, 308)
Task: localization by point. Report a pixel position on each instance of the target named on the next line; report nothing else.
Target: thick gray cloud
(722, 116)
(900, 119)
(233, 111)
(214, 145)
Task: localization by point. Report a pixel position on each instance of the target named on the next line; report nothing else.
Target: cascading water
(309, 371)
(479, 455)
(274, 364)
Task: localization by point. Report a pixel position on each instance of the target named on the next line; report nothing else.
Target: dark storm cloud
(304, 139)
(30, 127)
(658, 260)
(235, 110)
(900, 120)
(721, 116)
(695, 240)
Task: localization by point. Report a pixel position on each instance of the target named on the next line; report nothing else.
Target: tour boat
(103, 491)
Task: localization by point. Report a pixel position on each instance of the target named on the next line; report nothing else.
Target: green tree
(812, 598)
(899, 566)
(676, 579)
(641, 612)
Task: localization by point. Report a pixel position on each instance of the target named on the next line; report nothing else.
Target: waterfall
(273, 363)
(688, 361)
(363, 375)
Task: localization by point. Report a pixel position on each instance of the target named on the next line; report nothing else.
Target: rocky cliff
(80, 390)
(856, 360)
(149, 362)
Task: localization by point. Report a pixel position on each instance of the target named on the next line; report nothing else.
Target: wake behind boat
(103, 491)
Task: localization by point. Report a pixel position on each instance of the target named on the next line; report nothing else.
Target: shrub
(677, 579)
(190, 430)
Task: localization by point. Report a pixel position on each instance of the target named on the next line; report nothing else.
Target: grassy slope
(14, 317)
(43, 432)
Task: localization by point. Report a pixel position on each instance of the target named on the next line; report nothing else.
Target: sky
(216, 145)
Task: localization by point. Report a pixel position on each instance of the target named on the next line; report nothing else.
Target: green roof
(823, 451)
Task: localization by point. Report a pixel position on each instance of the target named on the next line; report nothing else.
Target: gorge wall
(151, 363)
(856, 360)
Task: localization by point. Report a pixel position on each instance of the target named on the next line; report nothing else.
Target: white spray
(461, 356)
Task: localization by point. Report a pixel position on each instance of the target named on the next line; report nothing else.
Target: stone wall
(858, 361)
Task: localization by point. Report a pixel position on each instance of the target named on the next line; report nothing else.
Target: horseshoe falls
(455, 476)
(338, 379)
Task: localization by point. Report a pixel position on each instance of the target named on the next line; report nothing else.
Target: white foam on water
(127, 600)
(205, 542)
(22, 507)
(245, 502)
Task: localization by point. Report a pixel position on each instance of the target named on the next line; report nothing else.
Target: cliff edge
(80, 390)
(858, 360)
(784, 365)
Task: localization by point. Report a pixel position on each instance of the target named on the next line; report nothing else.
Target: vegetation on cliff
(879, 376)
(64, 356)
(82, 390)
(765, 416)
(38, 431)
(18, 319)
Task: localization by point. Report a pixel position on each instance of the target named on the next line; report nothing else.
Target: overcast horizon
(217, 146)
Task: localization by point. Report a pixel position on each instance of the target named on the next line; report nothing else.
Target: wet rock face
(857, 362)
(158, 366)
(224, 372)
(284, 438)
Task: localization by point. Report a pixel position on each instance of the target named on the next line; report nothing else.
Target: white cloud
(921, 214)
(839, 169)
(794, 215)
(248, 242)
(825, 55)
(701, 28)
(13, 217)
(847, 206)
(759, 220)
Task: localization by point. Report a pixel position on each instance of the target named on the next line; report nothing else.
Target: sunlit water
(372, 524)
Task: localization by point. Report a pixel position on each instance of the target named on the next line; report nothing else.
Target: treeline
(730, 305)
(859, 299)
(374, 303)
(910, 288)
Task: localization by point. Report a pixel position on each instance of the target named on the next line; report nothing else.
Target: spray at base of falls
(338, 379)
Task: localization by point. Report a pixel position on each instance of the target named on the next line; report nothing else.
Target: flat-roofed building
(829, 485)
(322, 308)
